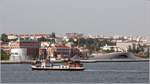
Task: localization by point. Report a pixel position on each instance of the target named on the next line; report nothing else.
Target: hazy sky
(108, 17)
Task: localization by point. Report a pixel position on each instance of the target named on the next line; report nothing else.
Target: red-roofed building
(66, 51)
(32, 47)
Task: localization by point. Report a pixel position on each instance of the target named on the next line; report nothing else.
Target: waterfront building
(124, 45)
(12, 36)
(64, 51)
(113, 48)
(31, 46)
(18, 54)
(61, 51)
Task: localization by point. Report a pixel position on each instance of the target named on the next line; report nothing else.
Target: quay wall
(82, 61)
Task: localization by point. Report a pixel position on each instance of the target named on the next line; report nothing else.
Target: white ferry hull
(58, 68)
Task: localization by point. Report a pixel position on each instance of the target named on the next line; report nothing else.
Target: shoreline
(82, 61)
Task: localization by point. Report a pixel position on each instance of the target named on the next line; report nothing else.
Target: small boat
(67, 66)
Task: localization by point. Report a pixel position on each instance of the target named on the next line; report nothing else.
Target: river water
(102, 72)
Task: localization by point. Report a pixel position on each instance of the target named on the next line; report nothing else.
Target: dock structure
(116, 55)
(111, 57)
(82, 61)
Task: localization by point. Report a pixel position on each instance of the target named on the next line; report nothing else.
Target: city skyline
(75, 41)
(88, 17)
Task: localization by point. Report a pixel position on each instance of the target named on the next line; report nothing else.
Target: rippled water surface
(103, 72)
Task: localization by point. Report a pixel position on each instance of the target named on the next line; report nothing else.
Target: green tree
(129, 49)
(4, 55)
(41, 39)
(91, 48)
(134, 48)
(82, 41)
(4, 37)
(71, 40)
(53, 35)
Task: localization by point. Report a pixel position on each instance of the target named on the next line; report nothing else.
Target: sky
(103, 17)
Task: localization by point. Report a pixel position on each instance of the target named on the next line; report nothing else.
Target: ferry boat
(68, 65)
(71, 63)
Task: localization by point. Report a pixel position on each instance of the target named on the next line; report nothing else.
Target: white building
(18, 54)
(115, 48)
(11, 36)
(124, 45)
